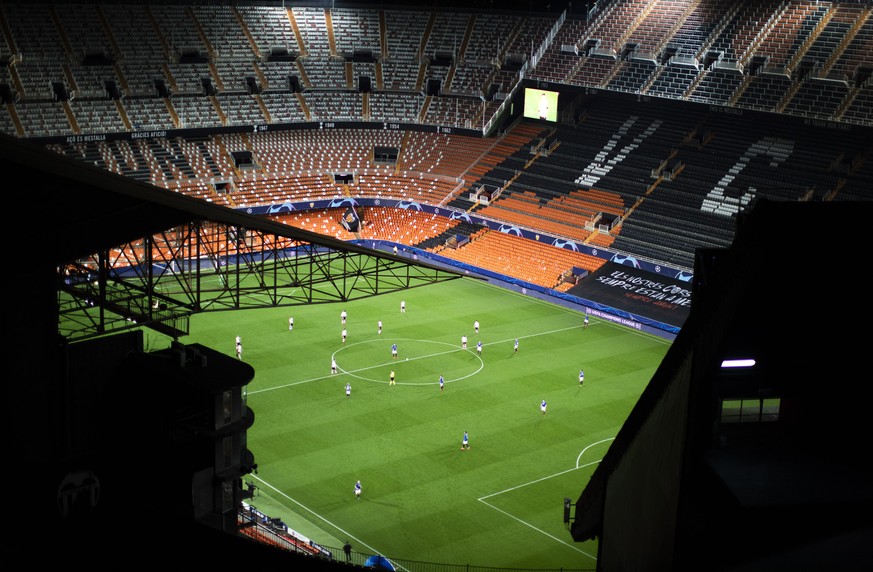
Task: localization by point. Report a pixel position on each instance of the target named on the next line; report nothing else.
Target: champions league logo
(283, 208)
(626, 260)
(342, 203)
(409, 205)
(507, 229)
(567, 244)
(460, 216)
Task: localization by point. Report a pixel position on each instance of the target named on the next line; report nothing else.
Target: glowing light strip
(744, 362)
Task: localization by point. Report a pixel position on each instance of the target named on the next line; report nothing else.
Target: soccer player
(238, 340)
(332, 365)
(239, 350)
(343, 316)
(465, 444)
(585, 322)
(581, 376)
(392, 378)
(402, 306)
(348, 390)
(344, 335)
(515, 348)
(291, 323)
(442, 383)
(543, 108)
(380, 326)
(357, 490)
(479, 347)
(464, 342)
(543, 406)
(394, 351)
(476, 326)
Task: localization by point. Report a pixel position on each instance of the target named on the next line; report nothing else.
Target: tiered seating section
(528, 260)
(69, 63)
(653, 180)
(797, 57)
(610, 165)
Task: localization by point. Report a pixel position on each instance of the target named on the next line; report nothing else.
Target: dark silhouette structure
(761, 467)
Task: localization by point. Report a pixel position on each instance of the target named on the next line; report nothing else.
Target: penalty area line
(522, 485)
(315, 514)
(543, 532)
(547, 477)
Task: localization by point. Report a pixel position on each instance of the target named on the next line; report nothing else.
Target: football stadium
(437, 287)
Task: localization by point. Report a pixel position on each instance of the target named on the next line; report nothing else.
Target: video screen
(540, 104)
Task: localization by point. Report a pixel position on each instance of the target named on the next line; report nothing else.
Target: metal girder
(158, 281)
(126, 254)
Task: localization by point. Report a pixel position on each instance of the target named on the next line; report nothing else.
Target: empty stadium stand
(683, 112)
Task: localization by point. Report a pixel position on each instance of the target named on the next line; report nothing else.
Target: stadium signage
(646, 290)
(85, 138)
(147, 134)
(728, 110)
(827, 124)
(616, 319)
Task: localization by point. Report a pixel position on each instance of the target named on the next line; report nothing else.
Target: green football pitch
(498, 503)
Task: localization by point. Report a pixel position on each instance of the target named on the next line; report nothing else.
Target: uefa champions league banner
(616, 315)
(345, 202)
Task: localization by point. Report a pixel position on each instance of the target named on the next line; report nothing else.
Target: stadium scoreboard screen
(540, 104)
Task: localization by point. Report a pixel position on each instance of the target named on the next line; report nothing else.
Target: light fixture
(738, 362)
